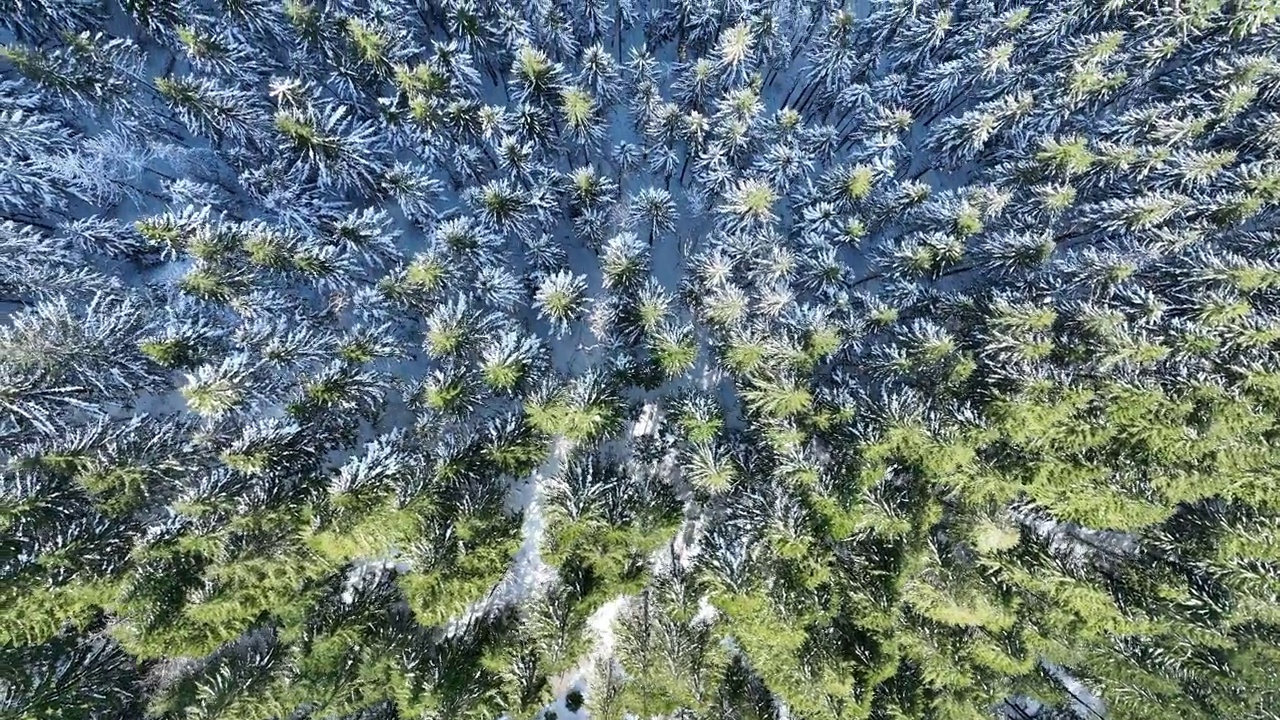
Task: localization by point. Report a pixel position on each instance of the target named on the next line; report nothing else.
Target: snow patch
(365, 573)
(529, 572)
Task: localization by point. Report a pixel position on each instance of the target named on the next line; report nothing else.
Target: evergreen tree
(377, 359)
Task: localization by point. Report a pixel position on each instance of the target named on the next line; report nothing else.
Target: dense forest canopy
(697, 359)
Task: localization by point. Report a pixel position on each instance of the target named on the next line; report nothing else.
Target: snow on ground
(1081, 543)
(601, 625)
(670, 254)
(1084, 703)
(528, 571)
(368, 573)
(647, 423)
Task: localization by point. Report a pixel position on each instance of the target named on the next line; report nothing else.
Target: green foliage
(461, 566)
(675, 350)
(669, 656)
(605, 526)
(989, 298)
(585, 410)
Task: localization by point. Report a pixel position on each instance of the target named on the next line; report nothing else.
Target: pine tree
(376, 359)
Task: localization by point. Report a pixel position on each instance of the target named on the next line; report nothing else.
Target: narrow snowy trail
(528, 571)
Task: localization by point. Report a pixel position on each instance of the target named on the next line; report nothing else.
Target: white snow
(528, 572)
(647, 423)
(368, 572)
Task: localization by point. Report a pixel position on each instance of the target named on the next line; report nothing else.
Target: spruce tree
(379, 359)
